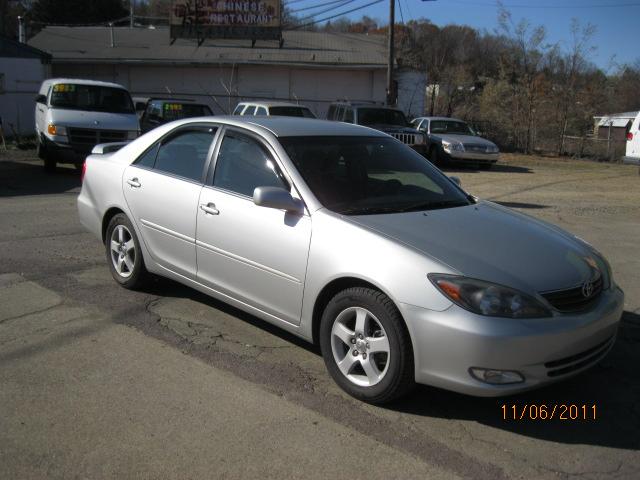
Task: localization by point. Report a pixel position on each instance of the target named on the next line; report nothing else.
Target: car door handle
(209, 208)
(134, 182)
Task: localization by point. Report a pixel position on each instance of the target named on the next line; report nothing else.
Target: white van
(633, 143)
(72, 116)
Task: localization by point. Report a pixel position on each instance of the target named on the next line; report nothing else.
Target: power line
(339, 14)
(315, 6)
(609, 5)
(401, 14)
(344, 2)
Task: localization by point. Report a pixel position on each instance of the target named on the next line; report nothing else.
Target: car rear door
(254, 254)
(162, 189)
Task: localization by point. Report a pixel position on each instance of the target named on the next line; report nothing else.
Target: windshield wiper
(371, 210)
(433, 205)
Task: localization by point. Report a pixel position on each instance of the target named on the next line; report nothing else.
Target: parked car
(633, 143)
(159, 111)
(72, 116)
(281, 109)
(348, 238)
(386, 119)
(453, 141)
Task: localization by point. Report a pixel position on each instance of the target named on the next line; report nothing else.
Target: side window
(243, 164)
(250, 110)
(261, 111)
(148, 158)
(425, 126)
(238, 109)
(339, 112)
(331, 112)
(185, 154)
(348, 115)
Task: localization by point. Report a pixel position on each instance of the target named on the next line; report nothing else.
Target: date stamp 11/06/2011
(552, 411)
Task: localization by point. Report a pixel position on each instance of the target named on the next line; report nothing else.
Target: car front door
(162, 189)
(254, 254)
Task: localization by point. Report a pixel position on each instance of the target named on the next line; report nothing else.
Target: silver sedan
(347, 238)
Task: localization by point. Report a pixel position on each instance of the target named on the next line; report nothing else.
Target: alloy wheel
(123, 251)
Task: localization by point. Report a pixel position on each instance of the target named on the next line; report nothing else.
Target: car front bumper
(473, 157)
(448, 344)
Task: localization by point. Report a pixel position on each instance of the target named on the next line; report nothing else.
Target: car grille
(90, 137)
(574, 299)
(580, 360)
(407, 138)
(476, 148)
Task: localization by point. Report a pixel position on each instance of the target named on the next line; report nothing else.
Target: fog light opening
(496, 377)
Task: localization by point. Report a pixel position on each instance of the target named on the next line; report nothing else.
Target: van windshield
(91, 98)
(381, 116)
(291, 112)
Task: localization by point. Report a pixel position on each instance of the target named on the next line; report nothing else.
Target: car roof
(81, 81)
(439, 118)
(274, 104)
(291, 126)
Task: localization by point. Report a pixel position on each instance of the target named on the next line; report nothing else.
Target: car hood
(492, 243)
(97, 120)
(464, 139)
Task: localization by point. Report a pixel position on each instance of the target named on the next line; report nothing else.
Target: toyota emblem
(587, 289)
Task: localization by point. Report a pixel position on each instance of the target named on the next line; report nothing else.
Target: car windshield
(381, 116)
(91, 98)
(451, 126)
(370, 175)
(176, 111)
(291, 112)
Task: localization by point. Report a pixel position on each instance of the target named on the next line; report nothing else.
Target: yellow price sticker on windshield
(172, 106)
(64, 87)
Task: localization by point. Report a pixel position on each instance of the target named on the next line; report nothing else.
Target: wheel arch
(106, 218)
(334, 287)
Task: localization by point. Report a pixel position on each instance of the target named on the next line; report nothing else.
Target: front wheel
(366, 346)
(123, 253)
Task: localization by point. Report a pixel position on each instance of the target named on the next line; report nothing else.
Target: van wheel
(124, 255)
(366, 346)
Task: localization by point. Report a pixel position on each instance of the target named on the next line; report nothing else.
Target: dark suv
(386, 119)
(159, 111)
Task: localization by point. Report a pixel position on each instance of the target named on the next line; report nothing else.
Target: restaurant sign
(259, 19)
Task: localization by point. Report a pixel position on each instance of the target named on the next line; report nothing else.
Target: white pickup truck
(633, 143)
(72, 116)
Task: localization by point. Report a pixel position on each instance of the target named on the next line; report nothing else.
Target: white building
(311, 67)
(22, 69)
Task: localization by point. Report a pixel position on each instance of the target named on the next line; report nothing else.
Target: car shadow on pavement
(18, 179)
(612, 386)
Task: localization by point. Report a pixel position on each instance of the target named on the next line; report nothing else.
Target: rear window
(381, 116)
(291, 112)
(91, 98)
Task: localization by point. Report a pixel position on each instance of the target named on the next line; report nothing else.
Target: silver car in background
(454, 142)
(347, 238)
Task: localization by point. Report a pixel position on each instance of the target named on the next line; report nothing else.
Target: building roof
(615, 119)
(153, 46)
(11, 48)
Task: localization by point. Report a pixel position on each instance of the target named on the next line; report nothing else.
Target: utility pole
(132, 5)
(392, 21)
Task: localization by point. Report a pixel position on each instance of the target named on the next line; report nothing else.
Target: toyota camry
(349, 239)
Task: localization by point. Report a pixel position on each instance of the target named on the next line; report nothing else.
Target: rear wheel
(485, 166)
(366, 347)
(45, 154)
(123, 253)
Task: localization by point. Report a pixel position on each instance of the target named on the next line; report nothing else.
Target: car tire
(485, 166)
(124, 255)
(366, 321)
(47, 156)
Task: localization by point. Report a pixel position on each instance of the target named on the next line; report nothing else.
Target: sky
(617, 22)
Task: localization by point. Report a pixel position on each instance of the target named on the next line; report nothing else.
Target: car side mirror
(41, 99)
(278, 198)
(456, 180)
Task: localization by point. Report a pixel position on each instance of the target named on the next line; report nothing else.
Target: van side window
(331, 112)
(261, 111)
(238, 109)
(250, 110)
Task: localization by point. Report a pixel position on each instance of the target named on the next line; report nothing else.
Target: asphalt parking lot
(100, 382)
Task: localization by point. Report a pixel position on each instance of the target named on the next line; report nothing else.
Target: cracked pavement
(100, 382)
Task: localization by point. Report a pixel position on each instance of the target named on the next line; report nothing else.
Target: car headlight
(133, 134)
(452, 146)
(486, 298)
(53, 129)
